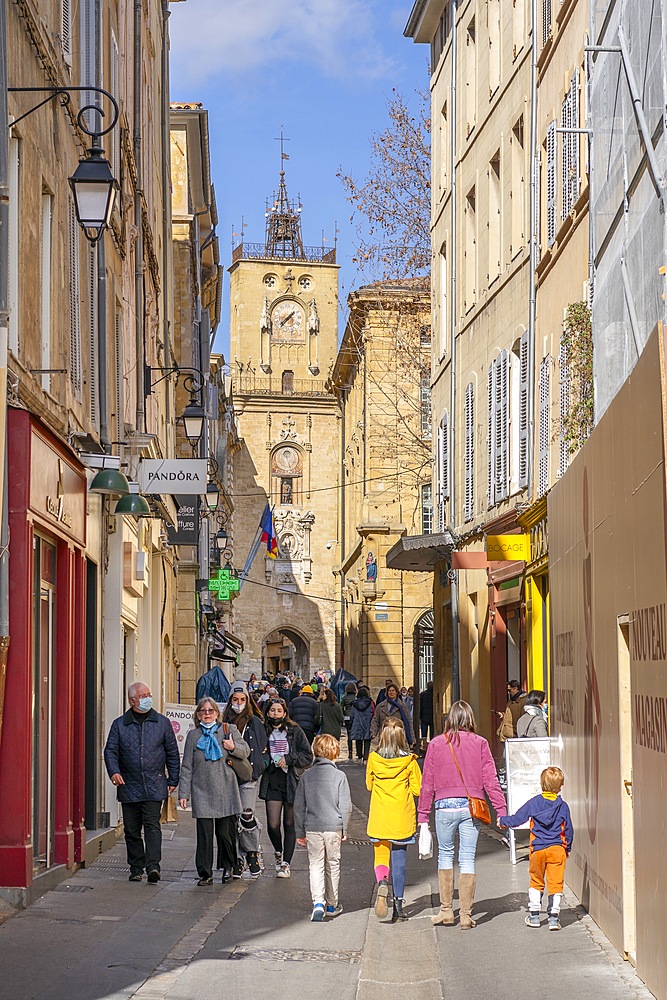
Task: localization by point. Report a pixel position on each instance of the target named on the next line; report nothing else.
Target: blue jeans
(447, 822)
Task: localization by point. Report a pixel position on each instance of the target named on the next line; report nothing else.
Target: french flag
(269, 533)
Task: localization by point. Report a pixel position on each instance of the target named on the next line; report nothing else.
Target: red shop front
(42, 748)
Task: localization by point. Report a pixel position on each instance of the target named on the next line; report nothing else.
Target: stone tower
(284, 338)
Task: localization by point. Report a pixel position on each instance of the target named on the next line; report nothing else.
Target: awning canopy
(420, 553)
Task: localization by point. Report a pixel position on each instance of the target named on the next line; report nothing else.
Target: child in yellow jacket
(393, 778)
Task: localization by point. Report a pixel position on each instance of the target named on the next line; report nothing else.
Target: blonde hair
(326, 746)
(392, 742)
(552, 779)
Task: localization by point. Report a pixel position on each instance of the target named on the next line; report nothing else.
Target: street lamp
(212, 497)
(94, 189)
(193, 421)
(221, 539)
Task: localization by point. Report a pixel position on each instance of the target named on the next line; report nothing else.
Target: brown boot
(466, 896)
(445, 914)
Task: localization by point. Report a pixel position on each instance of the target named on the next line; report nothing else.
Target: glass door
(44, 600)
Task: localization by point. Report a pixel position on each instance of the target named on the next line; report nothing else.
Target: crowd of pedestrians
(278, 740)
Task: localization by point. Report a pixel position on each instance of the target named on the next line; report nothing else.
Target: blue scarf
(208, 743)
(406, 722)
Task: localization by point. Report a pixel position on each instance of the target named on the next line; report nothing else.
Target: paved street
(100, 936)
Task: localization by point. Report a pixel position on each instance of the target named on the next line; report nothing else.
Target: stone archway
(286, 649)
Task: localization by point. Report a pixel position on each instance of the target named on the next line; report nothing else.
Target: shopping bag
(425, 843)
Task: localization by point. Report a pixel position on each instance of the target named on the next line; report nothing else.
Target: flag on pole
(285, 156)
(269, 533)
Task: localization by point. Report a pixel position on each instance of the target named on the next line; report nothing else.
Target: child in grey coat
(322, 810)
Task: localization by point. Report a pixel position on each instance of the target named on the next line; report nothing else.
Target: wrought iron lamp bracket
(66, 94)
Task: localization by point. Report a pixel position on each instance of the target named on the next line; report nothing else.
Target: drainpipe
(4, 331)
(533, 214)
(453, 575)
(102, 346)
(343, 553)
(140, 344)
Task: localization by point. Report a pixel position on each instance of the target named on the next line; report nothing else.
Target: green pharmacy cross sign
(224, 584)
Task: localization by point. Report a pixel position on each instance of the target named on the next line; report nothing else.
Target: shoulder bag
(242, 768)
(479, 808)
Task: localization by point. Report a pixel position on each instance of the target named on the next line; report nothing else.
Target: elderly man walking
(140, 747)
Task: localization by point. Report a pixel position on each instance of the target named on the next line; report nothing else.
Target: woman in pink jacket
(442, 782)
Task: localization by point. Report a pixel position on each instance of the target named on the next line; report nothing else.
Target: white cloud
(219, 38)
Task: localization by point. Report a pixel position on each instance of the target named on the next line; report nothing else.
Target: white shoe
(284, 870)
(278, 861)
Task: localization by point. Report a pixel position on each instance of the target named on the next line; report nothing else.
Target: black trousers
(224, 831)
(135, 816)
(363, 749)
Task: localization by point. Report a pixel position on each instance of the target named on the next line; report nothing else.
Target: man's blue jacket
(140, 752)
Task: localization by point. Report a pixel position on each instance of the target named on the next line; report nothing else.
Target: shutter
(469, 461)
(491, 435)
(502, 423)
(74, 301)
(546, 21)
(563, 457)
(66, 31)
(92, 332)
(574, 140)
(537, 208)
(523, 411)
(443, 471)
(543, 434)
(566, 123)
(119, 376)
(551, 183)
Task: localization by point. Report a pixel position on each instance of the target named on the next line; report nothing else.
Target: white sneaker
(333, 911)
(283, 870)
(278, 861)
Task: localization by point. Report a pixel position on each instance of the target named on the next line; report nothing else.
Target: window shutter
(546, 21)
(74, 301)
(537, 221)
(523, 411)
(566, 123)
(469, 460)
(491, 493)
(92, 332)
(502, 424)
(574, 140)
(119, 376)
(66, 31)
(543, 434)
(443, 471)
(563, 457)
(551, 183)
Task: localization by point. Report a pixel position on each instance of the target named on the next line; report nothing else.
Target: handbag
(425, 842)
(479, 808)
(242, 768)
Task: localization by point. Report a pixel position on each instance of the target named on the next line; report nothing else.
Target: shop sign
(182, 721)
(57, 489)
(173, 475)
(186, 531)
(501, 548)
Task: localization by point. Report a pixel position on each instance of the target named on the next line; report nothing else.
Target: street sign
(173, 475)
(507, 547)
(224, 584)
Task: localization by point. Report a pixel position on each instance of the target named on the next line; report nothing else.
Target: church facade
(283, 344)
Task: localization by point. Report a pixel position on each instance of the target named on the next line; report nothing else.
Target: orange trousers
(548, 865)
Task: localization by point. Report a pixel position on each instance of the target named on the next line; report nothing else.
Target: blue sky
(321, 68)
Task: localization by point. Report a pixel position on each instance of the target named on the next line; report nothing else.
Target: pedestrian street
(99, 937)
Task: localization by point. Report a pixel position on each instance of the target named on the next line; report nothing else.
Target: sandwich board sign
(524, 762)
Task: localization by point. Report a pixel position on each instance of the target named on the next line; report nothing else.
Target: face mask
(545, 709)
(207, 725)
(237, 708)
(145, 704)
(275, 722)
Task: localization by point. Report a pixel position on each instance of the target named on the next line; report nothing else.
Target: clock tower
(283, 344)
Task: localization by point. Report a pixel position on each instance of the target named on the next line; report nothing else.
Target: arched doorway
(423, 649)
(286, 649)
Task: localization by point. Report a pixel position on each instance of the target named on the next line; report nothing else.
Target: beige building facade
(382, 377)
(284, 335)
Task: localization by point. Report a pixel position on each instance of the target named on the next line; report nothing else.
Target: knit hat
(238, 687)
(306, 689)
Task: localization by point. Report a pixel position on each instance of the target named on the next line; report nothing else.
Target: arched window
(286, 476)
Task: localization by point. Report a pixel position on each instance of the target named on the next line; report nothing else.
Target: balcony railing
(249, 385)
(246, 251)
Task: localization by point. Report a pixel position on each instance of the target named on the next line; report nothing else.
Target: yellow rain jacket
(393, 783)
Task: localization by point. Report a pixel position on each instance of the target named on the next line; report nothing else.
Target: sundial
(224, 584)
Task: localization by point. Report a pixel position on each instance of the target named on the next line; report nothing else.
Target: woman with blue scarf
(390, 706)
(210, 785)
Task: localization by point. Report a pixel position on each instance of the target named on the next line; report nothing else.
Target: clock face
(287, 321)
